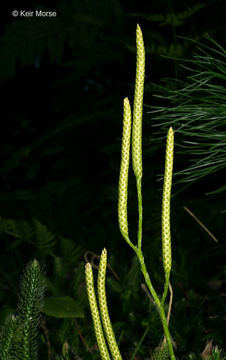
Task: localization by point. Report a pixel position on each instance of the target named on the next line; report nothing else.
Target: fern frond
(25, 40)
(44, 239)
(5, 225)
(174, 50)
(16, 228)
(171, 18)
(70, 252)
(169, 50)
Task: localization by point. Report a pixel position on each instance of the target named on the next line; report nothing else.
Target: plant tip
(126, 101)
(35, 263)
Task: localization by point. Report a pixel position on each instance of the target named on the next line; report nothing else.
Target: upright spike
(109, 332)
(138, 105)
(166, 236)
(95, 313)
(124, 172)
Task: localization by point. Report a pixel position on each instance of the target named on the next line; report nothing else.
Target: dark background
(63, 81)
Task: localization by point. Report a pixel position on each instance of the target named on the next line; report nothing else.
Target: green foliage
(62, 302)
(172, 18)
(40, 238)
(27, 41)
(197, 112)
(177, 46)
(171, 50)
(129, 329)
(29, 307)
(69, 251)
(161, 353)
(8, 332)
(20, 230)
(45, 240)
(214, 354)
(137, 169)
(20, 333)
(217, 354)
(43, 177)
(62, 307)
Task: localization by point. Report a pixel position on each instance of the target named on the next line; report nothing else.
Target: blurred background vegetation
(63, 81)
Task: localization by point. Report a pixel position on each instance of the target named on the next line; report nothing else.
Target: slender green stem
(157, 301)
(140, 213)
(167, 333)
(166, 287)
(147, 277)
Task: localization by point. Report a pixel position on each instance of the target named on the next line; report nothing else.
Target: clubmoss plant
(7, 337)
(123, 218)
(20, 332)
(103, 313)
(161, 353)
(95, 313)
(123, 177)
(29, 307)
(104, 309)
(166, 235)
(137, 167)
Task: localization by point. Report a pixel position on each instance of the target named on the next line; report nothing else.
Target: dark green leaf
(62, 307)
